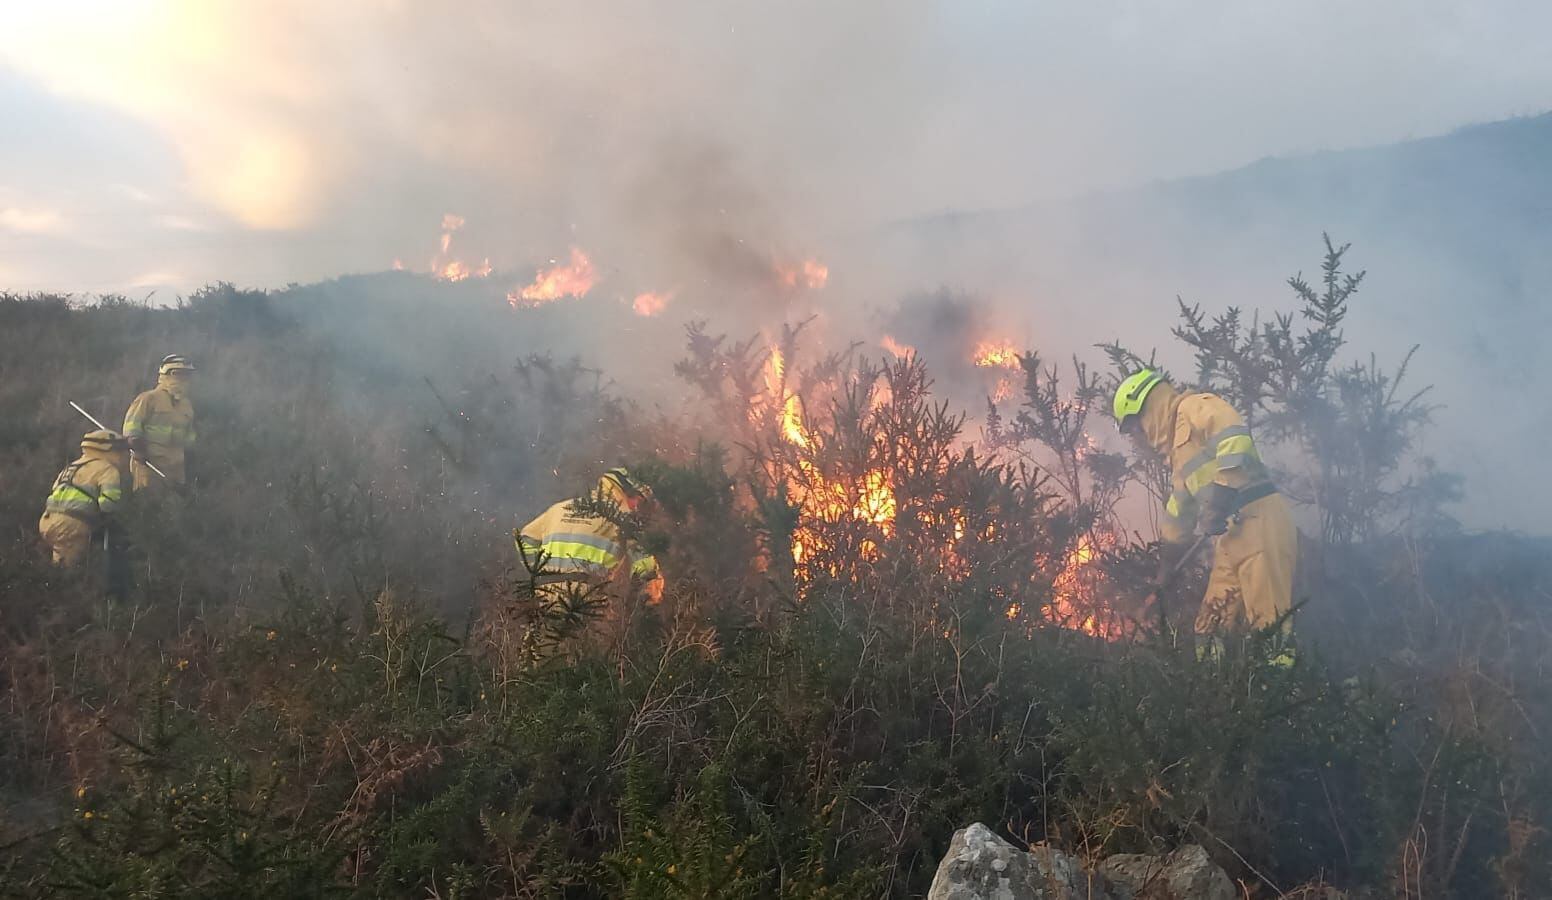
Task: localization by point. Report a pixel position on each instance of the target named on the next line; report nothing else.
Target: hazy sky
(173, 142)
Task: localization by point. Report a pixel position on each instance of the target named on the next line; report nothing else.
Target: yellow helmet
(174, 363)
(1129, 397)
(621, 477)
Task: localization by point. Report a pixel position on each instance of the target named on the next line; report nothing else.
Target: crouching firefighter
(576, 555)
(1219, 487)
(82, 505)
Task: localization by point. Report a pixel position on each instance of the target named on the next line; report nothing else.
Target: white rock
(980, 865)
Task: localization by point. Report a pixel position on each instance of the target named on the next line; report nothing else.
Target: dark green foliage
(212, 832)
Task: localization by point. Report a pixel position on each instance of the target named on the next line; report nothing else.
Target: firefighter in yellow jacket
(160, 425)
(1220, 487)
(85, 497)
(566, 545)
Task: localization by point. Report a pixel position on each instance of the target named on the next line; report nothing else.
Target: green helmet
(1133, 391)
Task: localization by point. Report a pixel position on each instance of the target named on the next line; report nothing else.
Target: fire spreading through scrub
(574, 278)
(870, 499)
(824, 498)
(1080, 591)
(447, 268)
(1078, 599)
(444, 266)
(998, 355)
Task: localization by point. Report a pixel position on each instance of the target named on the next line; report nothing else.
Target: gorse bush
(1350, 431)
(325, 682)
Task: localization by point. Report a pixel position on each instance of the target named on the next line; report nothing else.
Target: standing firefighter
(85, 497)
(574, 553)
(1218, 486)
(160, 425)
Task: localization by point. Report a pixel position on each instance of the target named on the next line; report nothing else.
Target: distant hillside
(1454, 230)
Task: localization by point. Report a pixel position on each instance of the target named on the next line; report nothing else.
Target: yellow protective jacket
(164, 418)
(569, 543)
(89, 489)
(1206, 441)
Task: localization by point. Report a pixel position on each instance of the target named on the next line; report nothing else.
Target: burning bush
(866, 484)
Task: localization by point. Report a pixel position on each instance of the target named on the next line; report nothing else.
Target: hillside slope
(1453, 229)
(322, 681)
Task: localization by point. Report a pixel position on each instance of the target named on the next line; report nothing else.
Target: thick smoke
(704, 152)
(293, 142)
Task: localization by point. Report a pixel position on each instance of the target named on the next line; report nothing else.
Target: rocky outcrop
(1186, 874)
(980, 865)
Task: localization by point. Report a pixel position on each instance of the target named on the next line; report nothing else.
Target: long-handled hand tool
(93, 419)
(1185, 559)
(1163, 583)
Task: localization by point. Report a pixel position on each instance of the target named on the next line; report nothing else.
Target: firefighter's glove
(1218, 504)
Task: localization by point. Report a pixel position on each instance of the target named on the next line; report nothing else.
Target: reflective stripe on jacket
(566, 542)
(165, 423)
(1210, 444)
(88, 489)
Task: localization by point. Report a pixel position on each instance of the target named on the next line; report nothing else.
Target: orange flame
(650, 303)
(458, 270)
(574, 279)
(811, 274)
(791, 407)
(450, 224)
(792, 422)
(820, 498)
(1080, 589)
(775, 372)
(1078, 602)
(899, 350)
(996, 354)
(446, 269)
(878, 500)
